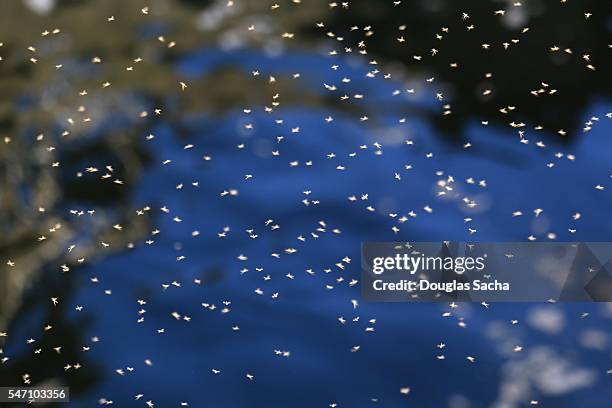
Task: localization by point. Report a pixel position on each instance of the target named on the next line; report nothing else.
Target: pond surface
(563, 362)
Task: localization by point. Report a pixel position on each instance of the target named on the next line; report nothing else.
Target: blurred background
(112, 181)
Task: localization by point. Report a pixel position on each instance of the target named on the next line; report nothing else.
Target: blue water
(303, 319)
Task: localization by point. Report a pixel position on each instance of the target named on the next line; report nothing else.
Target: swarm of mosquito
(344, 269)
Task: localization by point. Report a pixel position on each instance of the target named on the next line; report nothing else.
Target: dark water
(555, 366)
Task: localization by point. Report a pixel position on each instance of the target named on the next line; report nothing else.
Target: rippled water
(559, 365)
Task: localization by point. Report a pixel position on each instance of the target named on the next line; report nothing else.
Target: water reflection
(304, 317)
